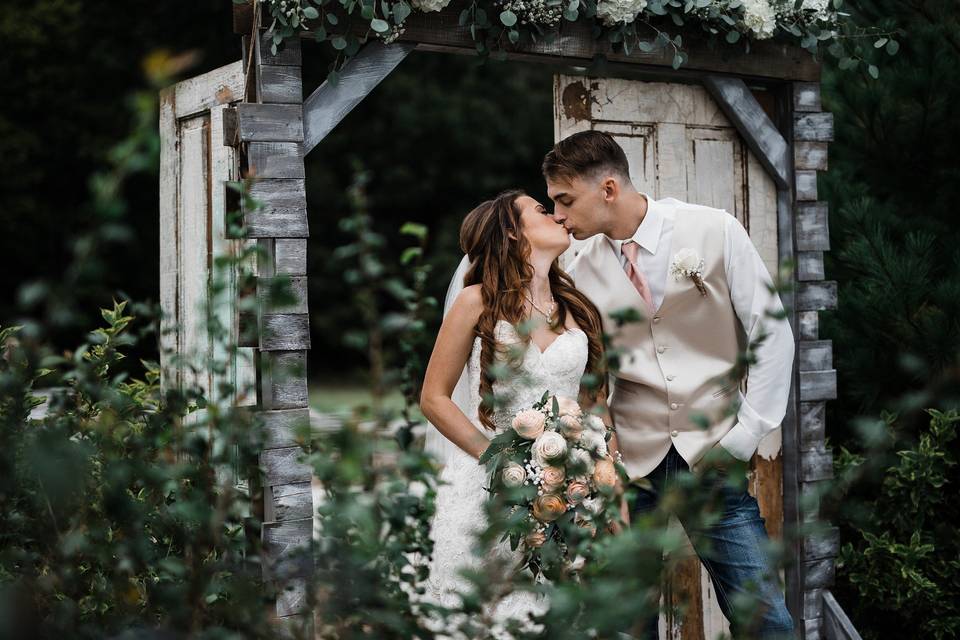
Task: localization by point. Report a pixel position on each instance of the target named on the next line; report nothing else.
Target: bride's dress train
(460, 498)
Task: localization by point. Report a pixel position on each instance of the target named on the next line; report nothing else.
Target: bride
(512, 282)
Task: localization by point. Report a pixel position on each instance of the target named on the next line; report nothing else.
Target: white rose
(760, 18)
(593, 505)
(430, 5)
(548, 446)
(594, 442)
(687, 260)
(581, 460)
(513, 475)
(595, 423)
(612, 12)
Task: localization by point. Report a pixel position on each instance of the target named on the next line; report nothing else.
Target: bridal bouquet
(556, 480)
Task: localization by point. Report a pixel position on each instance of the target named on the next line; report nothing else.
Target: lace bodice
(460, 496)
(557, 369)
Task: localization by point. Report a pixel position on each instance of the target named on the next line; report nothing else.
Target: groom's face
(578, 205)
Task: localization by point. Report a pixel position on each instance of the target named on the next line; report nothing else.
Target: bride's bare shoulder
(468, 303)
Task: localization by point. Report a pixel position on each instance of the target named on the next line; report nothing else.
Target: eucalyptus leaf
(379, 25)
(508, 18)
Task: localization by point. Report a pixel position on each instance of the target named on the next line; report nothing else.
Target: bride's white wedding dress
(459, 505)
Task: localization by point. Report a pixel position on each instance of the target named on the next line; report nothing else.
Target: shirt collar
(647, 234)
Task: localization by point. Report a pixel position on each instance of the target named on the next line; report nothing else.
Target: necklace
(546, 314)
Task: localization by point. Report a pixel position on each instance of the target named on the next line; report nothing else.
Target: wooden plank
(812, 604)
(280, 427)
(816, 296)
(822, 544)
(286, 549)
(275, 160)
(810, 266)
(329, 104)
(270, 290)
(292, 598)
(201, 93)
(816, 464)
(169, 241)
(282, 210)
(290, 256)
(248, 330)
(813, 230)
(818, 385)
(284, 332)
(290, 501)
(278, 84)
(815, 127)
(812, 425)
(270, 122)
(809, 325)
(806, 185)
(288, 53)
(819, 573)
(811, 493)
(282, 466)
(806, 96)
(812, 629)
(753, 124)
(810, 155)
(815, 355)
(285, 379)
(836, 623)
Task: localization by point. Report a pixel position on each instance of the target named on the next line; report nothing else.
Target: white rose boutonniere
(688, 264)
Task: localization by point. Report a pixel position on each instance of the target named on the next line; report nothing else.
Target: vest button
(661, 349)
(670, 377)
(656, 319)
(674, 406)
(674, 433)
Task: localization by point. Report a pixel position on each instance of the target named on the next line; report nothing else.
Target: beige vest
(673, 364)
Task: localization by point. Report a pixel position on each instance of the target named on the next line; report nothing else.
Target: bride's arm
(450, 353)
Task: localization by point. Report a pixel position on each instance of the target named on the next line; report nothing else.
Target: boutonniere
(687, 264)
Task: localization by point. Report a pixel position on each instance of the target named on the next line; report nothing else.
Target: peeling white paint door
(681, 145)
(194, 165)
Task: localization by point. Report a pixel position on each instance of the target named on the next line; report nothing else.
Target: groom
(703, 293)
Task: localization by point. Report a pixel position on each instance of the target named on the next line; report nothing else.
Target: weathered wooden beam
(275, 160)
(291, 501)
(814, 127)
(282, 466)
(813, 231)
(269, 122)
(753, 124)
(279, 84)
(816, 355)
(290, 256)
(806, 185)
(812, 604)
(285, 332)
(822, 544)
(810, 155)
(806, 96)
(288, 52)
(818, 385)
(286, 546)
(282, 210)
(280, 427)
(329, 104)
(292, 599)
(809, 325)
(284, 379)
(270, 290)
(820, 573)
(837, 625)
(812, 425)
(810, 265)
(816, 464)
(817, 296)
(813, 629)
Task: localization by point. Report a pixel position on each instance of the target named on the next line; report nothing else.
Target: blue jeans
(731, 548)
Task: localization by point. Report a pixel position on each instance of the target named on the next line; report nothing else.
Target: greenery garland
(628, 25)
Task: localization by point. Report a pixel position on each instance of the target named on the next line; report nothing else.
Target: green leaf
(880, 42)
(311, 13)
(514, 36)
(332, 19)
(892, 47)
(873, 71)
(410, 254)
(733, 36)
(401, 11)
(414, 229)
(380, 26)
(508, 18)
(339, 43)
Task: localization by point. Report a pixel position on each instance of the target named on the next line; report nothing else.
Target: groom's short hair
(586, 154)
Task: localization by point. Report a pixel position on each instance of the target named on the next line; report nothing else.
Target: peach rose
(568, 406)
(529, 423)
(577, 491)
(552, 478)
(571, 428)
(513, 475)
(548, 446)
(605, 473)
(548, 507)
(535, 539)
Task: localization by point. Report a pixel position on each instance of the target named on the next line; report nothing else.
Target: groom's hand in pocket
(719, 460)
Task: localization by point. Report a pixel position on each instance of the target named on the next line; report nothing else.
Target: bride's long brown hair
(500, 264)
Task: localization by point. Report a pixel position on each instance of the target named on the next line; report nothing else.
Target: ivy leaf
(508, 18)
(380, 26)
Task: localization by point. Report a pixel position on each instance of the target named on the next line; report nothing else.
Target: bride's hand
(617, 527)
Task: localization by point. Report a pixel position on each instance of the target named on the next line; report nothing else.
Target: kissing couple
(702, 294)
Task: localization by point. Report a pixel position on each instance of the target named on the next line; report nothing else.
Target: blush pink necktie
(630, 250)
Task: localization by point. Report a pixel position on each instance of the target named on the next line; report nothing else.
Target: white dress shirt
(764, 405)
